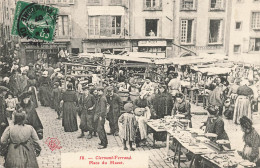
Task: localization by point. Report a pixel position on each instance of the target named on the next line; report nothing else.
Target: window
(256, 20)
(151, 26)
(93, 26)
(216, 4)
(105, 26)
(94, 2)
(116, 2)
(186, 31)
(63, 25)
(215, 31)
(254, 44)
(153, 4)
(75, 50)
(188, 5)
(41, 1)
(236, 48)
(240, 1)
(238, 26)
(116, 25)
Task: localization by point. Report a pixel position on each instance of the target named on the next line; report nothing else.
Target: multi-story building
(70, 31)
(7, 42)
(107, 26)
(245, 30)
(201, 26)
(151, 26)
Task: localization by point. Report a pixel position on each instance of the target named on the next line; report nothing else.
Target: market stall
(199, 144)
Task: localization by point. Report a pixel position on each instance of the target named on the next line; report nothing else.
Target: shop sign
(152, 43)
(108, 44)
(217, 47)
(44, 46)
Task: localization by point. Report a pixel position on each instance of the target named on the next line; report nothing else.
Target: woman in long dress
(142, 112)
(252, 141)
(32, 117)
(70, 100)
(243, 103)
(24, 144)
(44, 89)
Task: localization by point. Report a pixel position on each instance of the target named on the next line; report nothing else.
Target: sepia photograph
(129, 83)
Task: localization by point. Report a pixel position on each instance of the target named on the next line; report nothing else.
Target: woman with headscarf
(44, 89)
(69, 116)
(243, 104)
(181, 106)
(32, 117)
(215, 124)
(252, 141)
(142, 112)
(24, 144)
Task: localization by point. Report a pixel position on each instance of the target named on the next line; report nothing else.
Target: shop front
(43, 52)
(108, 46)
(162, 48)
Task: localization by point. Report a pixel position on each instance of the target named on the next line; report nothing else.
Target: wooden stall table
(225, 159)
(183, 140)
(157, 127)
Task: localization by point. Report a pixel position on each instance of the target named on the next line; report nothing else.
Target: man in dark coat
(31, 72)
(115, 103)
(87, 103)
(3, 119)
(100, 116)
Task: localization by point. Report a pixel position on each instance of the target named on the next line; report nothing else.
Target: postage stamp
(35, 21)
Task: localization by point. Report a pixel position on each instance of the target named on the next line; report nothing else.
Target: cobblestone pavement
(70, 142)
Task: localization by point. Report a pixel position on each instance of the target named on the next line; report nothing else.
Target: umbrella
(3, 88)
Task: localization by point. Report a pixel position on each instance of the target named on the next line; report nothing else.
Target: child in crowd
(56, 97)
(11, 102)
(128, 126)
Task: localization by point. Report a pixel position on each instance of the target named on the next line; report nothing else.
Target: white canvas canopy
(116, 57)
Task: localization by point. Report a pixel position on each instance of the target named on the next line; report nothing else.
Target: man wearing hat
(87, 103)
(100, 117)
(3, 118)
(31, 72)
(115, 103)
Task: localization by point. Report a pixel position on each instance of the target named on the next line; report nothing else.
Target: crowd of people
(27, 87)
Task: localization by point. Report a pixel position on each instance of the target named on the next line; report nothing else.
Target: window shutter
(97, 26)
(251, 45)
(90, 26)
(109, 26)
(102, 25)
(195, 4)
(194, 31)
(71, 2)
(59, 26)
(70, 25)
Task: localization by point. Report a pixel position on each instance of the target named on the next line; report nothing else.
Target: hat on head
(100, 88)
(110, 89)
(25, 95)
(30, 65)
